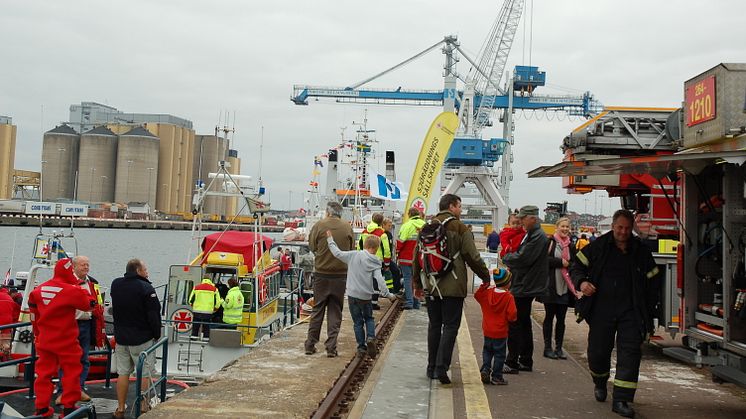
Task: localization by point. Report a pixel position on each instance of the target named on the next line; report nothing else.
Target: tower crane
(471, 159)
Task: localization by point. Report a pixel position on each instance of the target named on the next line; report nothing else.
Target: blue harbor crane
(472, 158)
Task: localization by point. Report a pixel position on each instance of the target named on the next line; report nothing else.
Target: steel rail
(344, 391)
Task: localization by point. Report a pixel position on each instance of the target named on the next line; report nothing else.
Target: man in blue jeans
(405, 250)
(363, 266)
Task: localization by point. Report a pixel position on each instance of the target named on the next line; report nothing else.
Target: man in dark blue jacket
(137, 325)
(530, 268)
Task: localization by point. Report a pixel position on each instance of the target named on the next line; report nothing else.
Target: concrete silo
(59, 162)
(211, 149)
(137, 167)
(234, 204)
(97, 163)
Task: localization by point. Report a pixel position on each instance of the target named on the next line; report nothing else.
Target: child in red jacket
(512, 236)
(498, 309)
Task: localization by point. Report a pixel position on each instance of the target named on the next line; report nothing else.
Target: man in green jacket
(444, 309)
(233, 305)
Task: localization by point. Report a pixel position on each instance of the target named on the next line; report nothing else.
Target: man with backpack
(445, 246)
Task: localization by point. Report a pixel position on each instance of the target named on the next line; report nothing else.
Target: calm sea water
(108, 249)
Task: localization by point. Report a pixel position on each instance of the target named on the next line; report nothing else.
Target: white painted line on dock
(475, 397)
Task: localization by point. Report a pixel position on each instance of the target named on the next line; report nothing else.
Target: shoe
(499, 381)
(68, 410)
(622, 409)
(485, 375)
(332, 354)
(549, 353)
(430, 373)
(372, 350)
(376, 306)
(46, 412)
(526, 368)
(406, 308)
(507, 369)
(118, 414)
(310, 351)
(560, 354)
(361, 352)
(443, 378)
(600, 393)
(84, 397)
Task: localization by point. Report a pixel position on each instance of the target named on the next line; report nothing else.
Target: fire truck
(682, 173)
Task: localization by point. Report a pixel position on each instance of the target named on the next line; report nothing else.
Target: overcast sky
(194, 59)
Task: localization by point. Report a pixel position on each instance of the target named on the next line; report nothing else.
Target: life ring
(263, 290)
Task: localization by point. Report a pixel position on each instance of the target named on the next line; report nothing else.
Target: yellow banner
(432, 155)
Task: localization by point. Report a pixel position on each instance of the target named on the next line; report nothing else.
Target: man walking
(137, 325)
(617, 275)
(329, 278)
(405, 250)
(530, 268)
(446, 298)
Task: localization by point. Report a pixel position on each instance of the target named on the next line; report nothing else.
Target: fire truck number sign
(700, 101)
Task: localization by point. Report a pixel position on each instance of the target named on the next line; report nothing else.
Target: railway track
(341, 397)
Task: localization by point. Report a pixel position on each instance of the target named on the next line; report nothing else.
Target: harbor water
(108, 249)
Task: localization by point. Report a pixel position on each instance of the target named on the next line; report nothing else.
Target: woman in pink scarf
(561, 291)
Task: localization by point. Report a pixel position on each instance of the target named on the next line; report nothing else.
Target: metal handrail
(108, 352)
(31, 359)
(140, 396)
(87, 410)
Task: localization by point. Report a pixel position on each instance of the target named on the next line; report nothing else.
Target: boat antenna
(261, 146)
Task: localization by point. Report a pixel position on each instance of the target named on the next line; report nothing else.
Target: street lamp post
(90, 190)
(127, 187)
(101, 196)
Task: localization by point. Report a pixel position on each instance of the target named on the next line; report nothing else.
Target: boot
(622, 409)
(560, 353)
(549, 353)
(600, 393)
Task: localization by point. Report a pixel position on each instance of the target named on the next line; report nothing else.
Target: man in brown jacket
(329, 278)
(444, 313)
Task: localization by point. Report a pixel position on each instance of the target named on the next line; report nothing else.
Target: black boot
(560, 353)
(622, 409)
(549, 353)
(600, 393)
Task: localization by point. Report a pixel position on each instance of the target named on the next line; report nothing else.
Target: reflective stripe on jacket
(233, 306)
(408, 240)
(205, 297)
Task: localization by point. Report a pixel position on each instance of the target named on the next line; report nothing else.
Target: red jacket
(9, 309)
(285, 262)
(53, 306)
(498, 309)
(510, 239)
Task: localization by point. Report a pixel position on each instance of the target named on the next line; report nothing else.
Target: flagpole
(12, 259)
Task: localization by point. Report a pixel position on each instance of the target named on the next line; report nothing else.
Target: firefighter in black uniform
(617, 275)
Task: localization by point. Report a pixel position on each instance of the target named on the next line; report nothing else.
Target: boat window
(182, 291)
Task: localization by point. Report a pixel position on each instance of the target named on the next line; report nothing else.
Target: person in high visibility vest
(405, 250)
(384, 251)
(204, 299)
(233, 305)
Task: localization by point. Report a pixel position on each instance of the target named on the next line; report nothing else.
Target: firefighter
(52, 305)
(616, 274)
(205, 300)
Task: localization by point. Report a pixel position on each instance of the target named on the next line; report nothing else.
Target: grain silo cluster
(152, 159)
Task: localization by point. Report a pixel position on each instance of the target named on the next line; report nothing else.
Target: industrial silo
(59, 163)
(211, 149)
(97, 162)
(137, 167)
(234, 204)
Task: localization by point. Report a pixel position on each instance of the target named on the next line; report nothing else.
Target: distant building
(7, 156)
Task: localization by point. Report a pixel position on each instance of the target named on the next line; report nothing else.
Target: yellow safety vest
(233, 306)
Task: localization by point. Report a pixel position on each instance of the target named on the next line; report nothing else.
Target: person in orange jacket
(52, 305)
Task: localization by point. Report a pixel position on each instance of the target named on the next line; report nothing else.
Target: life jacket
(408, 240)
(434, 258)
(205, 298)
(233, 306)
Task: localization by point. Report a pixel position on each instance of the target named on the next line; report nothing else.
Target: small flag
(6, 281)
(382, 188)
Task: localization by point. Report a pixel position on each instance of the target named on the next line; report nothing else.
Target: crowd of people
(608, 279)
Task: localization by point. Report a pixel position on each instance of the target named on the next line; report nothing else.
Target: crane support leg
(485, 183)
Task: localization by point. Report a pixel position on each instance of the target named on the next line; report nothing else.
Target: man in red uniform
(53, 306)
(9, 311)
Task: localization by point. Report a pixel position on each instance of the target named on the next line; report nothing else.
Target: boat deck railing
(30, 360)
(162, 379)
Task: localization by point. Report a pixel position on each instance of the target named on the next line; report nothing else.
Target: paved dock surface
(277, 380)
